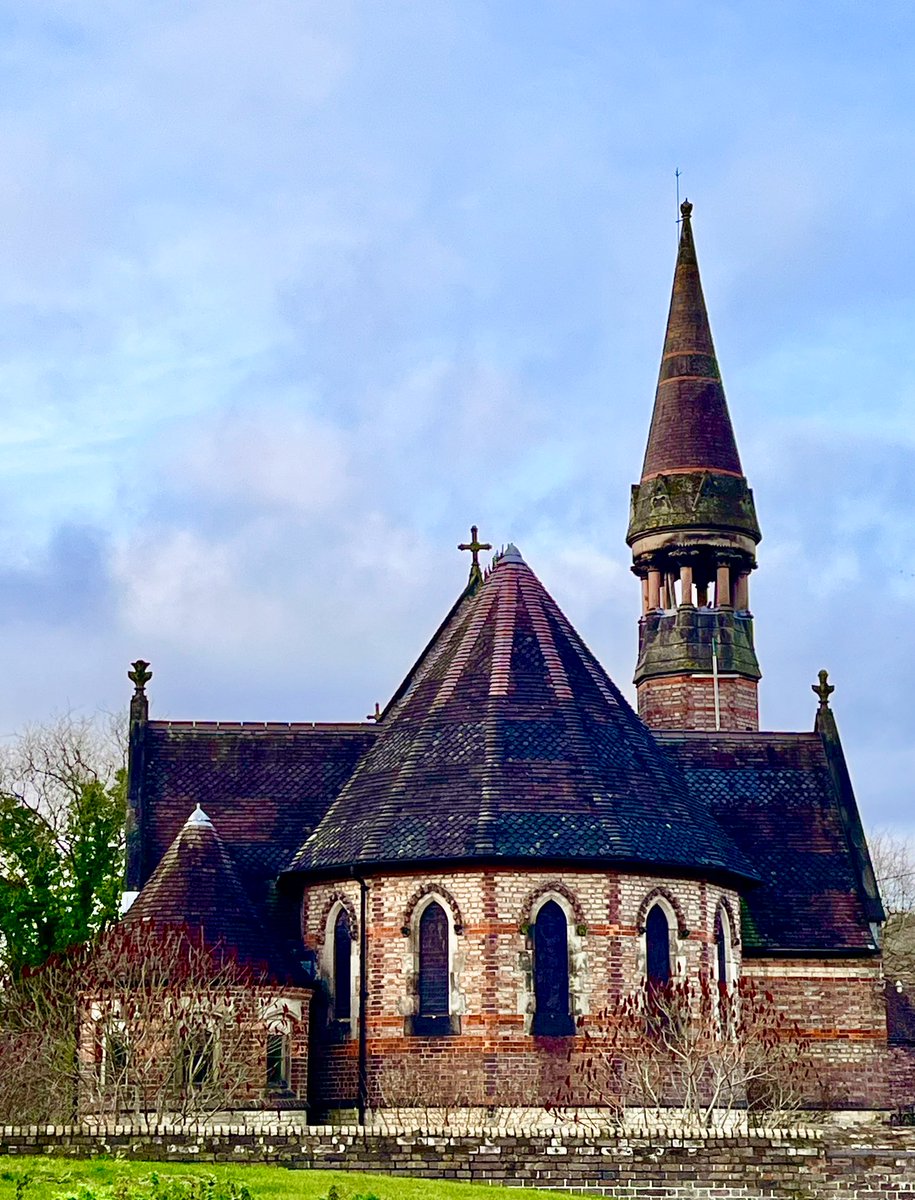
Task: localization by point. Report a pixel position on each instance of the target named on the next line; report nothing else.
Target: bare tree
(148, 1024)
(893, 856)
(692, 1051)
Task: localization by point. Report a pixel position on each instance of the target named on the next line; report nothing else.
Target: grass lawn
(96, 1179)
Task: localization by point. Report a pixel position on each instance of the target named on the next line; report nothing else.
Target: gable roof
(509, 741)
(777, 796)
(196, 886)
(265, 786)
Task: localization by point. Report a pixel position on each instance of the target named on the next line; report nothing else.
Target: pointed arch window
(343, 967)
(724, 949)
(433, 982)
(657, 947)
(552, 1008)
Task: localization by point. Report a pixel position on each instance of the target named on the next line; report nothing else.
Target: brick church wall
(491, 1058)
(256, 1014)
(839, 1005)
(688, 702)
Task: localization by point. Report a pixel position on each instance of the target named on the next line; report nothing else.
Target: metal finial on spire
(823, 689)
(475, 546)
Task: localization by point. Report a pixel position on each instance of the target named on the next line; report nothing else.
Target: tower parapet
(693, 533)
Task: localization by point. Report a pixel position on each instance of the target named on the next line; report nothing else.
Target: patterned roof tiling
(508, 740)
(264, 786)
(196, 885)
(690, 427)
(776, 797)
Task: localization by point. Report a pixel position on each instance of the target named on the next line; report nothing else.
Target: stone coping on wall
(814, 1163)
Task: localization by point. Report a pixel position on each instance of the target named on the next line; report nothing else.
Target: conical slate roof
(690, 427)
(509, 741)
(196, 885)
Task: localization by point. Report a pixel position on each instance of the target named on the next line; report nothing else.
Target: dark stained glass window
(278, 1062)
(721, 950)
(552, 1017)
(657, 947)
(433, 962)
(343, 955)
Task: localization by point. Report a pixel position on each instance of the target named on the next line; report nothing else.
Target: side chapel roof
(509, 741)
(265, 786)
(786, 801)
(195, 885)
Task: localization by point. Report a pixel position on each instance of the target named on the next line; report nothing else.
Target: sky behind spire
(294, 293)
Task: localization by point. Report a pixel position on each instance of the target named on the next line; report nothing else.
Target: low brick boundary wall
(815, 1164)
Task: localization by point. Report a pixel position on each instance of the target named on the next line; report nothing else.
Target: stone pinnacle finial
(823, 689)
(685, 210)
(139, 676)
(475, 546)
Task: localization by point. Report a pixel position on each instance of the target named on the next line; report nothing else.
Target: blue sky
(291, 293)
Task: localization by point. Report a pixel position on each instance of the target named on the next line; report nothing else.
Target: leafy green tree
(62, 803)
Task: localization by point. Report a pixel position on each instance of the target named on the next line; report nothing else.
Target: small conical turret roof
(690, 427)
(196, 886)
(508, 741)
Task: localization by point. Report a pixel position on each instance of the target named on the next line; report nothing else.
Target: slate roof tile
(508, 740)
(196, 885)
(774, 794)
(264, 786)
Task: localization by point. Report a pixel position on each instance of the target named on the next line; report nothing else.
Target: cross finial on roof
(376, 715)
(823, 689)
(475, 546)
(139, 676)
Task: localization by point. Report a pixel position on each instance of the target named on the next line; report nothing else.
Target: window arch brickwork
(443, 896)
(662, 893)
(733, 919)
(554, 887)
(344, 901)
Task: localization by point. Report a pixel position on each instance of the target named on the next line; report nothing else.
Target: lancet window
(434, 977)
(343, 967)
(657, 947)
(552, 1008)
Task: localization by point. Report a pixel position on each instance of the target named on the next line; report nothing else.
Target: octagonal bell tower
(693, 533)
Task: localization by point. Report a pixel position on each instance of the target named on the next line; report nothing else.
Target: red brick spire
(690, 427)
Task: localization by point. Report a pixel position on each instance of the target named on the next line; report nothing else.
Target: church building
(509, 849)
